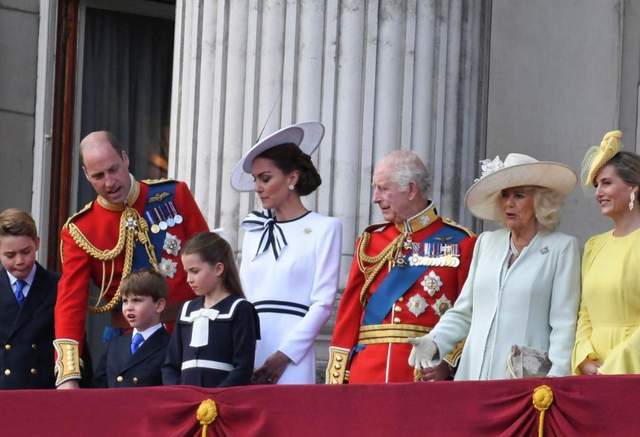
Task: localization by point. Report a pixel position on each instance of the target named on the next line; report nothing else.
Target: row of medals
(167, 216)
(430, 254)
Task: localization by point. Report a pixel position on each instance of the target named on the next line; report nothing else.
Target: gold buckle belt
(397, 333)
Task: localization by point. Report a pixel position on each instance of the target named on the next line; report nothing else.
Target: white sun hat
(306, 136)
(517, 170)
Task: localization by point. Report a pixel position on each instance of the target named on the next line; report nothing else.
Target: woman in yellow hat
(607, 336)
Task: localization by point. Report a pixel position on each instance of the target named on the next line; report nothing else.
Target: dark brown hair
(15, 222)
(288, 158)
(627, 166)
(213, 249)
(145, 282)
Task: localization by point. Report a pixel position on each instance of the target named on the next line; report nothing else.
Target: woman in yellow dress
(608, 332)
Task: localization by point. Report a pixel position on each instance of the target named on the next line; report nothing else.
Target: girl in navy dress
(214, 341)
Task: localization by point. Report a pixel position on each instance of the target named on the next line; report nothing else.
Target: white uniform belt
(207, 364)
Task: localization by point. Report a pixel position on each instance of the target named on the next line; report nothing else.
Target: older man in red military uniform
(405, 274)
(132, 224)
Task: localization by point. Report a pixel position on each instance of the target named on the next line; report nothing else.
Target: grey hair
(408, 167)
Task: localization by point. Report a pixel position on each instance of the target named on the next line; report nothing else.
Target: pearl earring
(632, 200)
(291, 187)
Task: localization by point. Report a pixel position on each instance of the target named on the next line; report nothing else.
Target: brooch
(171, 244)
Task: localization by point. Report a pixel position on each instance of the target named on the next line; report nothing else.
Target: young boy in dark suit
(134, 360)
(27, 297)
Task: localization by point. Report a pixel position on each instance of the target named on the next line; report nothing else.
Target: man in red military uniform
(405, 274)
(132, 224)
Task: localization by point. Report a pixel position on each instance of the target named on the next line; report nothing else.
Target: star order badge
(167, 267)
(431, 283)
(171, 244)
(417, 305)
(441, 305)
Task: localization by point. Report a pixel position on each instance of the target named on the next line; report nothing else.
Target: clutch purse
(527, 362)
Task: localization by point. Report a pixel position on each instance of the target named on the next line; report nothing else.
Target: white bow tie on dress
(272, 234)
(200, 330)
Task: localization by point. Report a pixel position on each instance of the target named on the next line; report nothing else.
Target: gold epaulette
(337, 372)
(157, 181)
(375, 227)
(84, 209)
(454, 224)
(453, 357)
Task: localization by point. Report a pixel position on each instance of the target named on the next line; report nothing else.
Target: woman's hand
(272, 369)
(440, 372)
(589, 367)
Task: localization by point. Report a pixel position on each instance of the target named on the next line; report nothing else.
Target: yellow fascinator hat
(598, 156)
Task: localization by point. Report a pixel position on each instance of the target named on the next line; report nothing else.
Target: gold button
(119, 379)
(337, 366)
(7, 347)
(338, 358)
(396, 320)
(398, 308)
(7, 372)
(34, 371)
(34, 346)
(135, 380)
(336, 374)
(400, 299)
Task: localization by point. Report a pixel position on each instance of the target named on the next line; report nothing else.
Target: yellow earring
(632, 200)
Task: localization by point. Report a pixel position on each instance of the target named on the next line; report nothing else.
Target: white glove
(422, 352)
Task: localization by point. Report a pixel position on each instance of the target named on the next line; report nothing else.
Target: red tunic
(100, 226)
(387, 362)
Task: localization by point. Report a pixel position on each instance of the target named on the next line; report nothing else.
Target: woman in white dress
(290, 256)
(518, 306)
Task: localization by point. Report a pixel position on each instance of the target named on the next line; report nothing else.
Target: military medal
(441, 305)
(171, 244)
(417, 305)
(161, 222)
(170, 220)
(154, 227)
(176, 217)
(431, 283)
(167, 268)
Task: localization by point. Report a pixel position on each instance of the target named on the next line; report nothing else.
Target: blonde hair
(546, 207)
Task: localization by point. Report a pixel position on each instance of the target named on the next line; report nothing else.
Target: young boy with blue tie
(134, 360)
(27, 297)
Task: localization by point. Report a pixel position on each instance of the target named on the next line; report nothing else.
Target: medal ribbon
(272, 234)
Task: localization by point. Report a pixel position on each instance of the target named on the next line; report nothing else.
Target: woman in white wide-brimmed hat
(523, 286)
(290, 256)
(608, 333)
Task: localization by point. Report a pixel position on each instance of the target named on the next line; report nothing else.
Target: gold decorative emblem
(167, 267)
(441, 305)
(171, 244)
(431, 283)
(159, 197)
(417, 305)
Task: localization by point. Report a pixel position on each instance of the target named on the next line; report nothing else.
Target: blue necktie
(136, 341)
(20, 284)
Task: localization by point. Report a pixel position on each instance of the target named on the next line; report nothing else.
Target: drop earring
(632, 200)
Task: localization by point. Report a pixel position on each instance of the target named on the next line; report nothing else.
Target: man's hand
(422, 352)
(69, 385)
(272, 369)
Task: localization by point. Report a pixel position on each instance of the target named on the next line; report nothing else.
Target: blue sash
(401, 278)
(140, 257)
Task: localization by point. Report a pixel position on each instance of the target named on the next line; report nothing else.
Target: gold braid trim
(337, 372)
(132, 227)
(370, 266)
(67, 365)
